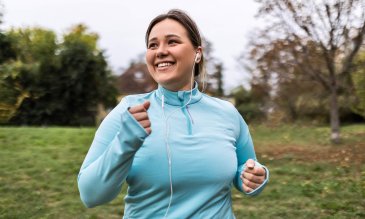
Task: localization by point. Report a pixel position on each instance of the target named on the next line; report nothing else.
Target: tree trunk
(334, 117)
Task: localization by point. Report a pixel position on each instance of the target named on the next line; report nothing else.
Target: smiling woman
(178, 149)
(170, 55)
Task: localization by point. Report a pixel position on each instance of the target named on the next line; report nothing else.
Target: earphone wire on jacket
(167, 130)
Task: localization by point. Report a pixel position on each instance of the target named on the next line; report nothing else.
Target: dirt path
(345, 154)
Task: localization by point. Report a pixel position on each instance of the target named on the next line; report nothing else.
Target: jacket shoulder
(223, 105)
(135, 99)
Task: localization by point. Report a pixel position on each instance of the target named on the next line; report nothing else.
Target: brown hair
(191, 28)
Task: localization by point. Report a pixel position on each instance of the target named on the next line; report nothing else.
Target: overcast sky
(121, 25)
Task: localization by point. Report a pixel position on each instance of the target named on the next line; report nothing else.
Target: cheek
(151, 71)
(149, 59)
(149, 62)
(186, 57)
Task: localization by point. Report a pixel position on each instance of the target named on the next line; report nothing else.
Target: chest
(201, 148)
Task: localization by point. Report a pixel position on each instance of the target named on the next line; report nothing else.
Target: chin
(163, 80)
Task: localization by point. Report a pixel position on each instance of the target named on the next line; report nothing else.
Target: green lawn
(310, 178)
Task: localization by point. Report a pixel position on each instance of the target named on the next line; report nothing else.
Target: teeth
(164, 64)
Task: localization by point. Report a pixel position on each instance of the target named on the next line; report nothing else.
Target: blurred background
(295, 70)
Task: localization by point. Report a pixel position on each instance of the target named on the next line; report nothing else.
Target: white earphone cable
(167, 130)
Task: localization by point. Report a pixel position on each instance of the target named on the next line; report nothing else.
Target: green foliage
(83, 79)
(250, 103)
(79, 35)
(7, 93)
(6, 51)
(358, 80)
(63, 82)
(8, 89)
(39, 168)
(33, 45)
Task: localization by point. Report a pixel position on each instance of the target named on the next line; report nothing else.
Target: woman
(178, 150)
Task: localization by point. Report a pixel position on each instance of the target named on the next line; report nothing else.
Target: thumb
(250, 163)
(146, 104)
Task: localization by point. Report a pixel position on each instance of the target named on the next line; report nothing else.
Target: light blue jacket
(209, 143)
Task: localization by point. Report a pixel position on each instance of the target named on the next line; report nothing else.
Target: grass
(310, 178)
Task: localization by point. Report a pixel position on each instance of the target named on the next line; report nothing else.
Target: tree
(249, 104)
(9, 97)
(64, 81)
(85, 79)
(214, 69)
(6, 50)
(336, 26)
(31, 72)
(292, 93)
(21, 75)
(218, 76)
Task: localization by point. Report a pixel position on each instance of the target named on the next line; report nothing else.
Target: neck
(179, 87)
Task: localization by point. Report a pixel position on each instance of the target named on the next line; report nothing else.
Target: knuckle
(144, 123)
(250, 177)
(261, 180)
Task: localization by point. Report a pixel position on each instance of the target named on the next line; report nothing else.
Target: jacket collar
(179, 98)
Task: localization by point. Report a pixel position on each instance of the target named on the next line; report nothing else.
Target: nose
(162, 51)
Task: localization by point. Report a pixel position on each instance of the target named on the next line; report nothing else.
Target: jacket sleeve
(245, 151)
(110, 156)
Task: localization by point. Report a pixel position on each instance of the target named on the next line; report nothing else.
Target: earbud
(197, 57)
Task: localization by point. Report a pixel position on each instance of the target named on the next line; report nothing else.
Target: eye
(172, 42)
(152, 46)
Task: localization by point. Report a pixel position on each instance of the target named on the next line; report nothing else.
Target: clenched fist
(139, 112)
(252, 176)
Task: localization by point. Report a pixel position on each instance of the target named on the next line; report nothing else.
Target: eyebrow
(167, 36)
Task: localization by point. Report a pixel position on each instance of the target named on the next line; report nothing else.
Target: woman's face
(170, 55)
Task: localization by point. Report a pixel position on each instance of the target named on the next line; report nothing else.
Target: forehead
(167, 27)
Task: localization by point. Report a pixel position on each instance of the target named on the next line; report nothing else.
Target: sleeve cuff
(132, 134)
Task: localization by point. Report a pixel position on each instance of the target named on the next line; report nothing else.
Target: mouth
(164, 65)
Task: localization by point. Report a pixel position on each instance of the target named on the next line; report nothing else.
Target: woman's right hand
(139, 112)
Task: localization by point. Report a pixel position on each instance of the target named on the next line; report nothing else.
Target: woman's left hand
(252, 176)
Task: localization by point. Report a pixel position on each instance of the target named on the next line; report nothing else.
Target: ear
(199, 54)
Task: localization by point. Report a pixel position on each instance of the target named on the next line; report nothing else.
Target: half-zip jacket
(209, 144)
(182, 100)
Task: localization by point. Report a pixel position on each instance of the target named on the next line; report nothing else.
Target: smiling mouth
(164, 66)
